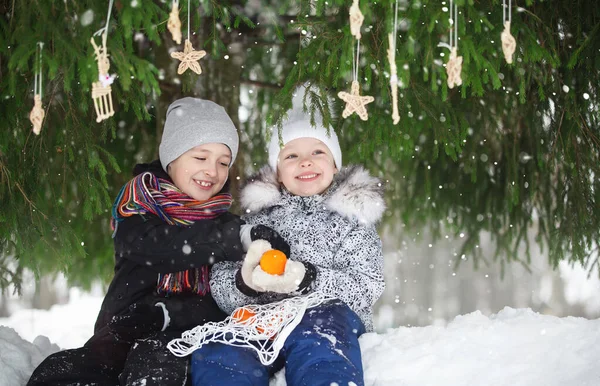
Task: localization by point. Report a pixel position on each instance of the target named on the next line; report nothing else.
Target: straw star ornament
(189, 58)
(355, 103)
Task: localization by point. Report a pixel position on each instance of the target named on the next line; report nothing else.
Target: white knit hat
(297, 125)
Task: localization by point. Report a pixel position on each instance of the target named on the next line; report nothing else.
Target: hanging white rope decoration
(454, 65)
(509, 44)
(189, 57)
(355, 103)
(263, 328)
(356, 19)
(393, 70)
(36, 116)
(101, 90)
(174, 24)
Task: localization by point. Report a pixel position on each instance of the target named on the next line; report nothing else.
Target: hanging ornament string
(189, 57)
(101, 90)
(110, 5)
(188, 24)
(393, 70)
(37, 85)
(454, 65)
(36, 116)
(509, 44)
(355, 103)
(174, 24)
(355, 61)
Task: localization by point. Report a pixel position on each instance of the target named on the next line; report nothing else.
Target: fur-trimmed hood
(354, 194)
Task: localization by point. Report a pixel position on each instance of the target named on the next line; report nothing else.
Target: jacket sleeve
(147, 240)
(357, 275)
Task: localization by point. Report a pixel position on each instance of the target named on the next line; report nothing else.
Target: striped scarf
(146, 193)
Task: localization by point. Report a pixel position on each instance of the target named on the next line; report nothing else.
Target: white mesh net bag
(263, 328)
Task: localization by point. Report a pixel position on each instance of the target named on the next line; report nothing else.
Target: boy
(171, 223)
(327, 215)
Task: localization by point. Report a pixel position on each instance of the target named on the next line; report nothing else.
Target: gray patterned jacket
(334, 231)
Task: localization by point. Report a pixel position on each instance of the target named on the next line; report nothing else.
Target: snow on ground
(516, 347)
(513, 347)
(18, 357)
(68, 325)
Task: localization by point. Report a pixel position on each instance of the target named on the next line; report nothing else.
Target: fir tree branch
(558, 132)
(31, 204)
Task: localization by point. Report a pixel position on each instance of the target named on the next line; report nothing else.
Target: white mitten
(284, 284)
(252, 261)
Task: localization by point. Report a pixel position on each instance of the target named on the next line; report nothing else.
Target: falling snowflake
(87, 18)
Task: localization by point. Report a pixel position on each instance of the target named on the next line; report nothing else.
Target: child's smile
(204, 184)
(306, 167)
(308, 177)
(202, 171)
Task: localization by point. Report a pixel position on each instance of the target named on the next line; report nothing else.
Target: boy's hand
(263, 232)
(141, 320)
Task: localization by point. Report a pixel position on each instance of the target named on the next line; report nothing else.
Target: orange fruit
(242, 315)
(273, 262)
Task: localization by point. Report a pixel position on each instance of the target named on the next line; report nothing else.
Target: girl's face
(201, 171)
(305, 167)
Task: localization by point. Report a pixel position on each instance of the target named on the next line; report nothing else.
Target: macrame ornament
(355, 103)
(454, 65)
(174, 24)
(391, 53)
(36, 116)
(454, 69)
(509, 44)
(262, 328)
(356, 19)
(101, 90)
(189, 57)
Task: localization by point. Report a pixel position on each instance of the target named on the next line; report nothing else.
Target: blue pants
(321, 350)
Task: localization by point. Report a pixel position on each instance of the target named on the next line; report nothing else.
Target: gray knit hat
(192, 122)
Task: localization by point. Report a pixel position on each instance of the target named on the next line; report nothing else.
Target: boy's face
(306, 167)
(201, 171)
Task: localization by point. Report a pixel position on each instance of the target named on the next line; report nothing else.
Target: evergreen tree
(515, 146)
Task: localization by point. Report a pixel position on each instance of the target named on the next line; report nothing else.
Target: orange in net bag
(273, 262)
(244, 316)
(260, 327)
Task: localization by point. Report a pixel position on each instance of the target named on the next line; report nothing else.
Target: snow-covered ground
(511, 348)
